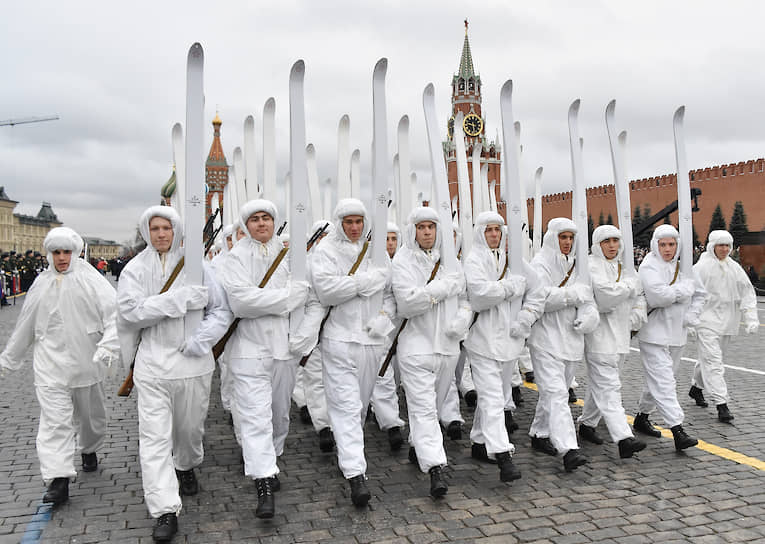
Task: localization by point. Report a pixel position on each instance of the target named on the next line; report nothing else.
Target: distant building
(98, 248)
(19, 232)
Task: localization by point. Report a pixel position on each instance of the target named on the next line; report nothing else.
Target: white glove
(379, 326)
(191, 348)
(684, 291)
(458, 327)
(587, 319)
(519, 329)
(578, 294)
(633, 284)
(751, 327)
(439, 289)
(370, 282)
(691, 321)
(638, 318)
(301, 345)
(457, 281)
(514, 286)
(195, 295)
(692, 332)
(298, 294)
(104, 357)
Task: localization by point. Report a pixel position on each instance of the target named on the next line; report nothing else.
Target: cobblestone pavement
(659, 496)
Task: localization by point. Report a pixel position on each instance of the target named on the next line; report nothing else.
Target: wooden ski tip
(356, 155)
(611, 107)
(430, 90)
(507, 89)
(539, 171)
(249, 123)
(574, 108)
(623, 137)
(196, 51)
(345, 122)
(381, 66)
(270, 105)
(298, 69)
(310, 150)
(679, 114)
(403, 123)
(177, 130)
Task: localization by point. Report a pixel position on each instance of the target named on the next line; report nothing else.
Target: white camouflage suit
(730, 297)
(428, 346)
(354, 336)
(620, 302)
(172, 375)
(495, 340)
(556, 343)
(672, 308)
(261, 365)
(69, 318)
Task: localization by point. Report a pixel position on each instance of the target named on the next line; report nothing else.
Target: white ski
(463, 185)
(298, 185)
(510, 191)
(252, 188)
(684, 213)
(194, 208)
(480, 204)
(537, 241)
(440, 197)
(617, 145)
(394, 193)
(313, 184)
(524, 208)
(380, 177)
(579, 200)
(239, 178)
(404, 194)
(327, 200)
(179, 157)
(344, 158)
(356, 174)
(269, 150)
(492, 192)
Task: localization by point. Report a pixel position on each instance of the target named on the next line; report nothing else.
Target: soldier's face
(493, 235)
(667, 248)
(161, 233)
(261, 226)
(610, 247)
(62, 258)
(353, 226)
(566, 242)
(229, 242)
(425, 234)
(391, 243)
(722, 251)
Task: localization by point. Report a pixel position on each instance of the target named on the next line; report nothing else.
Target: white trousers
(525, 361)
(171, 426)
(449, 410)
(226, 383)
(709, 371)
(298, 393)
(262, 389)
(385, 400)
(489, 421)
(464, 374)
(70, 417)
(350, 370)
(604, 395)
(552, 418)
(511, 377)
(659, 387)
(313, 390)
(427, 380)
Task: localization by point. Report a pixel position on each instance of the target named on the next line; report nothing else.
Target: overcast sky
(115, 74)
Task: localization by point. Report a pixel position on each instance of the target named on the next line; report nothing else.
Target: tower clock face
(450, 126)
(472, 125)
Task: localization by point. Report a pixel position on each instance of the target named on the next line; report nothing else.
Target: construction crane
(25, 120)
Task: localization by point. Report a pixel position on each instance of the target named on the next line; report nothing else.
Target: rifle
(351, 272)
(127, 386)
(221, 345)
(315, 237)
(278, 232)
(394, 345)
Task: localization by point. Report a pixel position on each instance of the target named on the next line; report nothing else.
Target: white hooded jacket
(264, 311)
(158, 319)
(616, 292)
(67, 317)
(554, 331)
(490, 335)
(730, 295)
(667, 313)
(348, 319)
(426, 329)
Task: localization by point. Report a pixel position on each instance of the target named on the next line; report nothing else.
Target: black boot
(305, 416)
(510, 423)
(571, 396)
(478, 451)
(165, 528)
(630, 445)
(265, 509)
(58, 491)
(438, 487)
(682, 440)
(544, 445)
(326, 440)
(471, 397)
(359, 492)
(187, 482)
(395, 440)
(517, 396)
(723, 414)
(454, 430)
(573, 459)
(507, 470)
(529, 376)
(89, 462)
(590, 434)
(276, 485)
(413, 456)
(697, 394)
(643, 425)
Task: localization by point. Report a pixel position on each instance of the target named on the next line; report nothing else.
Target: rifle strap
(504, 270)
(173, 276)
(619, 275)
(273, 267)
(568, 275)
(360, 258)
(677, 271)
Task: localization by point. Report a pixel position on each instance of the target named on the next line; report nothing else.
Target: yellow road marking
(725, 453)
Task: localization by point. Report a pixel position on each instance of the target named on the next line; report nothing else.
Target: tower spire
(466, 61)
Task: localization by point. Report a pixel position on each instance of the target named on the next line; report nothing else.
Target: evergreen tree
(667, 220)
(610, 220)
(718, 221)
(695, 236)
(738, 227)
(601, 219)
(590, 228)
(644, 240)
(636, 221)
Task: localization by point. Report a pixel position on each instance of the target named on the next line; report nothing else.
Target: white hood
(604, 232)
(66, 239)
(665, 231)
(274, 245)
(418, 215)
(479, 230)
(344, 208)
(392, 227)
(718, 237)
(550, 244)
(168, 213)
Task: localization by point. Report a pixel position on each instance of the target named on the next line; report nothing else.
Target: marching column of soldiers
(18, 272)
(81, 328)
